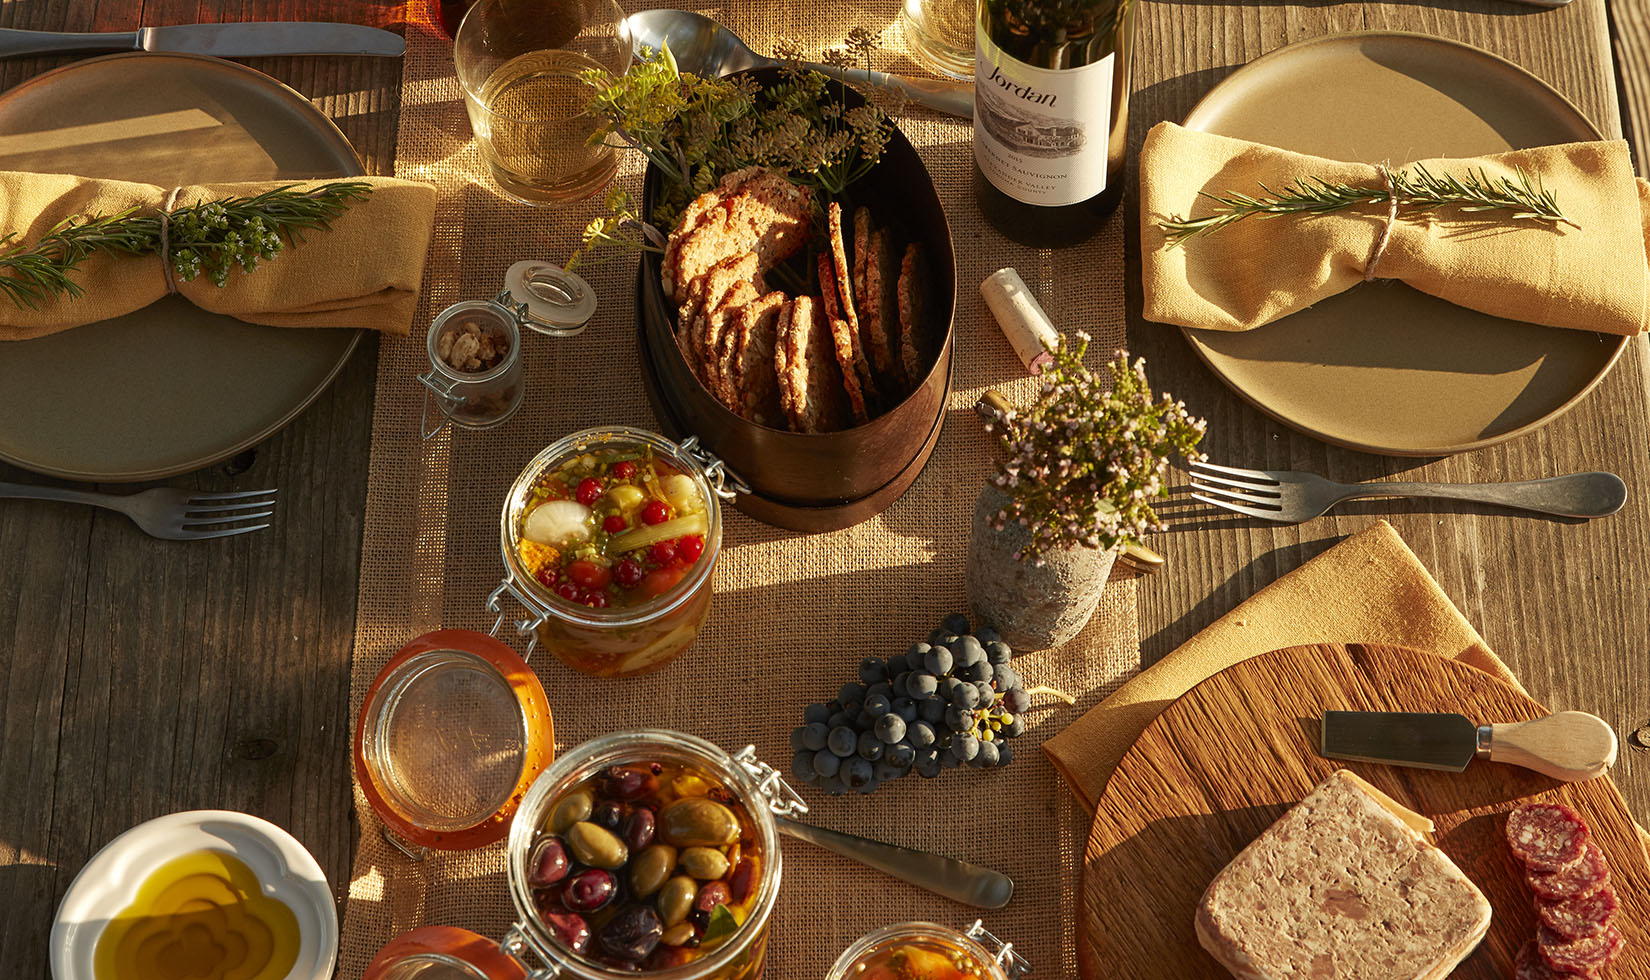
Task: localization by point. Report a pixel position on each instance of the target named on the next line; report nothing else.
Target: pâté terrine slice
(1343, 886)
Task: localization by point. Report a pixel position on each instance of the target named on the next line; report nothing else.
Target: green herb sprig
(1417, 189)
(696, 130)
(208, 237)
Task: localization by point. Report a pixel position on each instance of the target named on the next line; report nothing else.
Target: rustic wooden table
(139, 677)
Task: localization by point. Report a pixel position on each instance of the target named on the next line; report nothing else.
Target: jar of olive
(649, 851)
(926, 951)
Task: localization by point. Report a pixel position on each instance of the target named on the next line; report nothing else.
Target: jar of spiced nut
(475, 346)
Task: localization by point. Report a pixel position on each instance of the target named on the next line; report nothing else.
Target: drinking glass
(939, 34)
(519, 62)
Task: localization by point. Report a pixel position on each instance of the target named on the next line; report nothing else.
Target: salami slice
(1581, 877)
(1546, 836)
(1585, 956)
(1580, 918)
(1530, 966)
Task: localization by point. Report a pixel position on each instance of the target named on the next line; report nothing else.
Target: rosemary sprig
(208, 237)
(1419, 190)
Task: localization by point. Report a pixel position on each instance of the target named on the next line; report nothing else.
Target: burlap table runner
(793, 614)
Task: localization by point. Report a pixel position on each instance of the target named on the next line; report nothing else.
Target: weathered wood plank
(143, 677)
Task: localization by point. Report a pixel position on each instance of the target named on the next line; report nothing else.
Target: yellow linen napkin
(1260, 269)
(363, 272)
(1370, 588)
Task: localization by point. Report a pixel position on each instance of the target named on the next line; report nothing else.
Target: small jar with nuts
(475, 346)
(475, 366)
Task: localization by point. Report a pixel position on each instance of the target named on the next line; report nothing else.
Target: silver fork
(1292, 496)
(167, 512)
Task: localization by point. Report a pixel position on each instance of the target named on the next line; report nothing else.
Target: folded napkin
(363, 272)
(1254, 271)
(1370, 588)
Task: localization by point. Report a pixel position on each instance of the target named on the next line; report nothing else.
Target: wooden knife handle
(1571, 745)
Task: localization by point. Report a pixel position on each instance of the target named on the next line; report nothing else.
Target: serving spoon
(705, 48)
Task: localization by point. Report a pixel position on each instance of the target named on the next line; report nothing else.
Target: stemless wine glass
(519, 63)
(940, 35)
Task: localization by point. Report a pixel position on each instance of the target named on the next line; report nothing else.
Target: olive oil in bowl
(200, 916)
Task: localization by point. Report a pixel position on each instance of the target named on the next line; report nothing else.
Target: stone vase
(1033, 607)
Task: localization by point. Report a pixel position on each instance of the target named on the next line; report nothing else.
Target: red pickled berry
(614, 523)
(589, 574)
(596, 600)
(662, 553)
(628, 573)
(690, 548)
(655, 512)
(624, 470)
(546, 577)
(568, 591)
(589, 491)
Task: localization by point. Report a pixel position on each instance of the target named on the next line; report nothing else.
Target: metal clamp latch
(524, 627)
(723, 480)
(1012, 964)
(517, 944)
(782, 799)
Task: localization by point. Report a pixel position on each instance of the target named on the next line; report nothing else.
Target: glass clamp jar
(902, 949)
(640, 630)
(474, 346)
(452, 732)
(532, 949)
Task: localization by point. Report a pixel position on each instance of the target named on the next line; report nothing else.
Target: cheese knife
(247, 40)
(1568, 746)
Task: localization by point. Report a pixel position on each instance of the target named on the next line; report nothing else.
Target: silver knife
(1569, 746)
(248, 40)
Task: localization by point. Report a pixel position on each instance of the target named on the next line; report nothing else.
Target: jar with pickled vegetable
(926, 951)
(610, 536)
(650, 851)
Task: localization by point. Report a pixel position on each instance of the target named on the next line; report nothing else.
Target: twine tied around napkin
(165, 245)
(1587, 272)
(1379, 248)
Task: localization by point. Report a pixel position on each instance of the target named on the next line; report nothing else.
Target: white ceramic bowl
(109, 882)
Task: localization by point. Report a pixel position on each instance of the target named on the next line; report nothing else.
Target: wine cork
(1021, 318)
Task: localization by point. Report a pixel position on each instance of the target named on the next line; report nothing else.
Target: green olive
(676, 899)
(677, 934)
(651, 868)
(698, 822)
(572, 808)
(704, 863)
(596, 846)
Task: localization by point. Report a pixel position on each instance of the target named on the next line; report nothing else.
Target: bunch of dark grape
(949, 702)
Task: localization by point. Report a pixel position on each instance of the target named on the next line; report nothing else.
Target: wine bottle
(1051, 114)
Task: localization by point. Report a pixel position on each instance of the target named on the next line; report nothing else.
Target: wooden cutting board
(1237, 751)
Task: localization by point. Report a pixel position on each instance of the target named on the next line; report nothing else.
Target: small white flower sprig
(1085, 463)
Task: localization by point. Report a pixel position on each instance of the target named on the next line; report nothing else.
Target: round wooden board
(1237, 751)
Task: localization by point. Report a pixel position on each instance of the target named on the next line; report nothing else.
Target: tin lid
(453, 731)
(560, 303)
(443, 953)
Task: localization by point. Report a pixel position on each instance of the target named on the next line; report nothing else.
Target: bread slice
(752, 371)
(1342, 886)
(758, 210)
(836, 289)
(913, 276)
(879, 313)
(717, 339)
(862, 251)
(807, 370)
(708, 292)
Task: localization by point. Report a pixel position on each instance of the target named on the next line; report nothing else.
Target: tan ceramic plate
(169, 388)
(1384, 368)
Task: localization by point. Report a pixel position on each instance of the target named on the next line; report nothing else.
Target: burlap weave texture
(793, 614)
